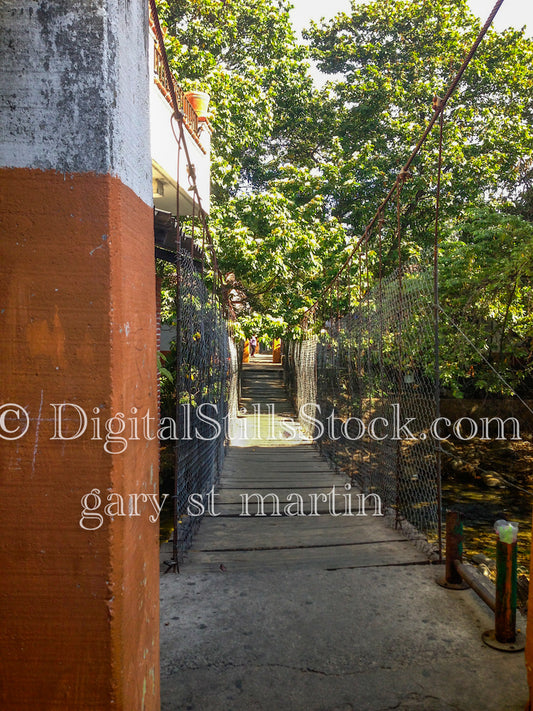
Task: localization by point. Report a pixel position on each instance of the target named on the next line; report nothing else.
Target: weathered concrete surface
(79, 606)
(74, 88)
(319, 613)
(366, 639)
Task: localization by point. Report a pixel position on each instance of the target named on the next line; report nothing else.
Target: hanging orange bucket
(199, 100)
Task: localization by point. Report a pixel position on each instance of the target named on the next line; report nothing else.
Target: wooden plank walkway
(263, 460)
(317, 613)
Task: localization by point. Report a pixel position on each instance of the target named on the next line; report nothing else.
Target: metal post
(505, 592)
(505, 636)
(454, 551)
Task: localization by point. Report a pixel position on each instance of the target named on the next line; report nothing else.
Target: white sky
(513, 13)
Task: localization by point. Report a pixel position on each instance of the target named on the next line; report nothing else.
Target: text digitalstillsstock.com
(72, 422)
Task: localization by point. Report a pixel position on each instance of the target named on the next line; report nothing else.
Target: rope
(179, 117)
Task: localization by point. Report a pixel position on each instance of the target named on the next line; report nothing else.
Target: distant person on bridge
(253, 346)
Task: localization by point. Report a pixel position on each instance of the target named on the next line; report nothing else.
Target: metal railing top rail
(189, 114)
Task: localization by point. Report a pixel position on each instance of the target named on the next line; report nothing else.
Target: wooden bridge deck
(266, 459)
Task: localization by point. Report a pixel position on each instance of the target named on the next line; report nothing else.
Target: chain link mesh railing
(360, 380)
(206, 398)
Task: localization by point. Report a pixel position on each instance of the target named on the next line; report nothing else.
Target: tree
(394, 56)
(278, 250)
(487, 299)
(298, 172)
(275, 236)
(245, 55)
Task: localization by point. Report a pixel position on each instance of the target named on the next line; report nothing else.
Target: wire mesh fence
(206, 398)
(365, 390)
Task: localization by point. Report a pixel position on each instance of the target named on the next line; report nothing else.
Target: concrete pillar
(79, 607)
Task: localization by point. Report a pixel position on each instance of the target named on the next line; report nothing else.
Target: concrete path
(322, 611)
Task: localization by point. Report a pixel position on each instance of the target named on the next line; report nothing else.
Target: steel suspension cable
(436, 340)
(404, 172)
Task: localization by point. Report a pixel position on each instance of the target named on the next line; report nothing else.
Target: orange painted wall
(77, 324)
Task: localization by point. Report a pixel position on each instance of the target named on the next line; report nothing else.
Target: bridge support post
(454, 551)
(80, 582)
(504, 636)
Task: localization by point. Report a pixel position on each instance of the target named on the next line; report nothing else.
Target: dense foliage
(486, 281)
(245, 55)
(393, 58)
(298, 171)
